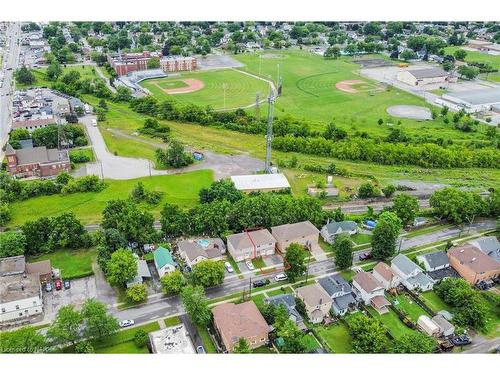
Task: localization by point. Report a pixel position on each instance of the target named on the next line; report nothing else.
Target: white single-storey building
(261, 182)
(422, 77)
(474, 100)
(20, 296)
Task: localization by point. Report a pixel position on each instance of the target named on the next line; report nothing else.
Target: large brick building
(124, 63)
(178, 63)
(37, 161)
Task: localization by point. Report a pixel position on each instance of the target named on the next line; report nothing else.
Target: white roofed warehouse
(261, 182)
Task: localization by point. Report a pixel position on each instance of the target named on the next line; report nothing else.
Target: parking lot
(81, 290)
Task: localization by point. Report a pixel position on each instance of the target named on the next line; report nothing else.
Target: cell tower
(269, 135)
(257, 107)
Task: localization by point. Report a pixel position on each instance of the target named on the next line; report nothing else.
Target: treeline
(424, 155)
(49, 136)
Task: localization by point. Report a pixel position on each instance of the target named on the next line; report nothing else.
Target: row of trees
(49, 136)
(424, 155)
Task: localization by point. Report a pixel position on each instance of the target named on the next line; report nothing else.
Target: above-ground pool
(204, 243)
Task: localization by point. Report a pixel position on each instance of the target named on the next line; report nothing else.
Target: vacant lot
(72, 263)
(240, 89)
(181, 189)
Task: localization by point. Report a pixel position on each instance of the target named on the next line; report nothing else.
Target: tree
(208, 273)
(137, 293)
(389, 191)
(172, 282)
(12, 244)
(153, 63)
(174, 156)
(196, 304)
(54, 71)
(66, 231)
(414, 343)
(456, 205)
(37, 234)
(469, 72)
(173, 220)
(460, 54)
(407, 55)
(65, 329)
(97, 322)
(121, 267)
(5, 214)
(385, 235)
(25, 76)
(332, 52)
(368, 335)
(22, 340)
(493, 203)
(84, 347)
(406, 208)
(242, 347)
(295, 265)
(367, 190)
(293, 338)
(141, 338)
(342, 249)
(223, 189)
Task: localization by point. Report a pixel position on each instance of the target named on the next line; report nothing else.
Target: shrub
(141, 338)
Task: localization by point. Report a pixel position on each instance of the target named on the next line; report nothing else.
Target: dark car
(58, 284)
(67, 284)
(365, 256)
(461, 340)
(200, 350)
(48, 287)
(485, 284)
(260, 283)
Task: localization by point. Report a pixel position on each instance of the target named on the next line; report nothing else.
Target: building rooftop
(436, 259)
(488, 245)
(313, 294)
(428, 73)
(473, 258)
(249, 239)
(40, 155)
(12, 265)
(260, 181)
(172, 340)
(345, 226)
(404, 264)
(367, 281)
(288, 232)
(477, 97)
(384, 270)
(19, 287)
(335, 284)
(42, 267)
(162, 257)
(208, 248)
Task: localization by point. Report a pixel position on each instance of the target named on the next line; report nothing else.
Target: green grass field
(391, 321)
(480, 57)
(409, 307)
(86, 71)
(240, 88)
(72, 263)
(337, 337)
(181, 189)
(435, 303)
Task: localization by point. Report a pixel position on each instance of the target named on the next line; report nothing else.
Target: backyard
(392, 322)
(409, 307)
(336, 336)
(72, 263)
(435, 303)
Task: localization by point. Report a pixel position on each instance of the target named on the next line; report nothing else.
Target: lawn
(409, 307)
(86, 71)
(477, 56)
(122, 341)
(72, 263)
(259, 299)
(240, 88)
(258, 262)
(493, 317)
(391, 321)
(181, 189)
(172, 321)
(435, 303)
(311, 343)
(336, 336)
(208, 344)
(361, 238)
(347, 274)
(127, 347)
(277, 292)
(82, 151)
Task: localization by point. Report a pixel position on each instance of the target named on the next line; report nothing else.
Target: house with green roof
(164, 261)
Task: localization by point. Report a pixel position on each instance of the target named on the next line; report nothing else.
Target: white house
(334, 228)
(20, 297)
(163, 261)
(386, 276)
(412, 276)
(368, 289)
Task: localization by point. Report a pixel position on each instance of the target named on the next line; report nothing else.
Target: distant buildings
(37, 161)
(124, 63)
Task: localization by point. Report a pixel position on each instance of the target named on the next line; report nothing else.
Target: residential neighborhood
(257, 187)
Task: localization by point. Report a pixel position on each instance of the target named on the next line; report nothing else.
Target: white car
(126, 323)
(228, 266)
(280, 277)
(249, 265)
(94, 122)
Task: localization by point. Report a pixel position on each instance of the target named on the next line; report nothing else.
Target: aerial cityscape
(250, 187)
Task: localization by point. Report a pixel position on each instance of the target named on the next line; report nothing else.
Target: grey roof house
(412, 276)
(340, 291)
(488, 245)
(434, 261)
(288, 300)
(142, 273)
(334, 228)
(194, 251)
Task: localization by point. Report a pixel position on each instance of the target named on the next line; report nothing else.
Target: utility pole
(257, 107)
(224, 89)
(149, 165)
(308, 262)
(102, 170)
(250, 289)
(269, 135)
(260, 64)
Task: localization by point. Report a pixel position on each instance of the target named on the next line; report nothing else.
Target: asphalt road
(11, 60)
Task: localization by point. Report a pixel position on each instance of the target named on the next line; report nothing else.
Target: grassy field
(208, 344)
(82, 151)
(72, 263)
(181, 189)
(409, 307)
(483, 57)
(172, 321)
(391, 321)
(86, 71)
(337, 336)
(123, 341)
(492, 328)
(240, 88)
(361, 238)
(435, 303)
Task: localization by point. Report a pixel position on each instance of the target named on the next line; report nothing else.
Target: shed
(445, 327)
(261, 182)
(427, 325)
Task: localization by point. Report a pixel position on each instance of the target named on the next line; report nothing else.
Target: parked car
(126, 323)
(228, 266)
(461, 340)
(94, 122)
(250, 265)
(48, 287)
(200, 350)
(260, 283)
(365, 256)
(485, 284)
(280, 277)
(58, 284)
(67, 284)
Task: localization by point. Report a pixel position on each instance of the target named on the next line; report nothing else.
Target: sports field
(240, 89)
(483, 57)
(311, 91)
